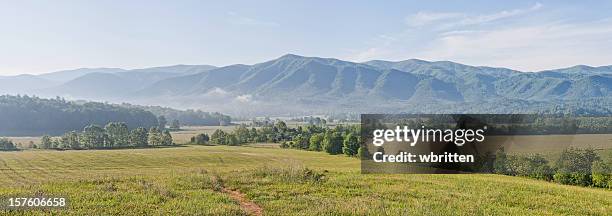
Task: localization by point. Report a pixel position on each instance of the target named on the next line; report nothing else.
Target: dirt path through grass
(250, 207)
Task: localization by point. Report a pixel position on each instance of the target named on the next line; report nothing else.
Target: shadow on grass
(123, 148)
(10, 150)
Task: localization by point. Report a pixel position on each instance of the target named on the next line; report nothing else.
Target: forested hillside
(187, 117)
(299, 85)
(25, 115)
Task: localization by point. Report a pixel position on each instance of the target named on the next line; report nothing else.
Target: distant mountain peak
(310, 80)
(291, 56)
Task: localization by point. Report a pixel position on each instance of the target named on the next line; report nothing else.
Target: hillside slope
(183, 180)
(315, 84)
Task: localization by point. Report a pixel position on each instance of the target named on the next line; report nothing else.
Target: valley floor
(262, 179)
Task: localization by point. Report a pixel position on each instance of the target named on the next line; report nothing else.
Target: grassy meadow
(184, 135)
(272, 181)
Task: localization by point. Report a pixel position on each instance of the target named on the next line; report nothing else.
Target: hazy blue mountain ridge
(303, 82)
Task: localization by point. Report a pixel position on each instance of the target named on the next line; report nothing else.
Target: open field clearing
(547, 143)
(185, 134)
(551, 146)
(24, 141)
(237, 180)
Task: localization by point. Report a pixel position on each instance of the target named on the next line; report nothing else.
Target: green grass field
(205, 179)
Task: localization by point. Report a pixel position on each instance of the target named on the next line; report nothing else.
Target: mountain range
(298, 84)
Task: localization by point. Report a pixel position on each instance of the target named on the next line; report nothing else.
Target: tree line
(33, 116)
(342, 139)
(581, 167)
(575, 166)
(7, 145)
(186, 117)
(113, 135)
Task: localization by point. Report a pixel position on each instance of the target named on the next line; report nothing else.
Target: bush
(363, 153)
(532, 166)
(574, 166)
(601, 173)
(500, 165)
(314, 143)
(200, 139)
(291, 174)
(539, 168)
(575, 178)
(562, 178)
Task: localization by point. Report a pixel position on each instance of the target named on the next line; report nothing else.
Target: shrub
(200, 139)
(563, 178)
(533, 166)
(363, 153)
(314, 143)
(601, 173)
(574, 166)
(575, 178)
(350, 145)
(332, 143)
(291, 174)
(500, 165)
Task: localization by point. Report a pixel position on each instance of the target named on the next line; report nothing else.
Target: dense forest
(186, 117)
(28, 115)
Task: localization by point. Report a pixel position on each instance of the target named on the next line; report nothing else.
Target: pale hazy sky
(44, 36)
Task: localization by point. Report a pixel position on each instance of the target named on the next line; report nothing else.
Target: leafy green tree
(602, 173)
(139, 137)
(281, 126)
(242, 134)
(6, 145)
(533, 166)
(315, 142)
(57, 143)
(500, 165)
(118, 134)
(93, 136)
(155, 137)
(332, 143)
(71, 140)
(232, 140)
(350, 145)
(200, 139)
(167, 138)
(46, 142)
(218, 137)
(254, 135)
(363, 153)
(574, 166)
(301, 141)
